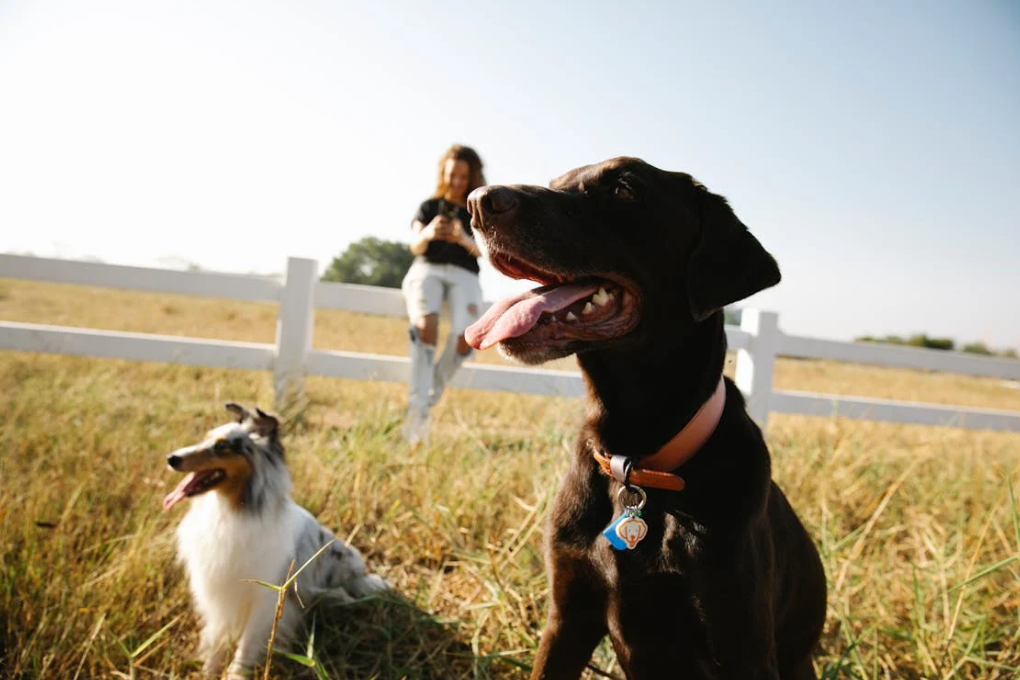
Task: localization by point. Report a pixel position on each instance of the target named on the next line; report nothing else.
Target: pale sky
(873, 147)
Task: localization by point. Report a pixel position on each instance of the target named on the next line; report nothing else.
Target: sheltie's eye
(222, 446)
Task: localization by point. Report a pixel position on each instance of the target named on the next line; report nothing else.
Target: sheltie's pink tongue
(516, 316)
(178, 494)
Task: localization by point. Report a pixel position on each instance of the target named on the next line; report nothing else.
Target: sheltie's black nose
(174, 461)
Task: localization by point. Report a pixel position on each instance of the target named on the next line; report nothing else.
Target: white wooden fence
(758, 341)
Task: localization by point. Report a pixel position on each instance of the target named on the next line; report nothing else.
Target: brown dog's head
(619, 247)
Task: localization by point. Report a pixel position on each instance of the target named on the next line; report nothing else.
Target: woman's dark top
(444, 252)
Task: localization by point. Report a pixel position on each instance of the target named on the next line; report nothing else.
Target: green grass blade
(311, 559)
(264, 584)
(298, 658)
(155, 636)
(986, 571)
(1014, 513)
(310, 648)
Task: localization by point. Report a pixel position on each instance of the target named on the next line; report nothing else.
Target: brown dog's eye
(624, 192)
(222, 446)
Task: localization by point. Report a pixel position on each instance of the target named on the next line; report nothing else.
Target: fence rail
(758, 342)
(902, 357)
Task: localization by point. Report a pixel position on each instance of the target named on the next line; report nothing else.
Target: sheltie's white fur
(243, 526)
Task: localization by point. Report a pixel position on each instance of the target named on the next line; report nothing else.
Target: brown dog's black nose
(498, 200)
(174, 461)
(485, 203)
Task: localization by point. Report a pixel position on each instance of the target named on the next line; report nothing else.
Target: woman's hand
(445, 229)
(437, 229)
(457, 233)
(463, 239)
(442, 229)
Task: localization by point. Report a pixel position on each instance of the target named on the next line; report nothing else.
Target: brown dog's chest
(670, 547)
(668, 557)
(649, 595)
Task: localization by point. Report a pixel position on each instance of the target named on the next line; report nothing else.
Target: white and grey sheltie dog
(243, 526)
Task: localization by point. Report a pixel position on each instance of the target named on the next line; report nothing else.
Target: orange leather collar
(654, 471)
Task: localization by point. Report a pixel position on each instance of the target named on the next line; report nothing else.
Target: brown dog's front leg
(567, 646)
(577, 619)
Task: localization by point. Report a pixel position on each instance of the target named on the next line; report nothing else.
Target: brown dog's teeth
(588, 308)
(602, 297)
(571, 316)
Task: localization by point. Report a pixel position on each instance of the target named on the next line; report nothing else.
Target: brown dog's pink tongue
(178, 494)
(516, 316)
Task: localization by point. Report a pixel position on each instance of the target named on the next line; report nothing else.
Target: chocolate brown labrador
(635, 266)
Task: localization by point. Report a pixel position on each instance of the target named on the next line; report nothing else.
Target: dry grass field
(918, 527)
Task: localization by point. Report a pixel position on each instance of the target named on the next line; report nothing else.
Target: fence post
(755, 364)
(294, 327)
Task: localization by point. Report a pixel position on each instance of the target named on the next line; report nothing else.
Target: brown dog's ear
(237, 410)
(728, 264)
(266, 424)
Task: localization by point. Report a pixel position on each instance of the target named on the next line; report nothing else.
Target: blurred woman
(445, 267)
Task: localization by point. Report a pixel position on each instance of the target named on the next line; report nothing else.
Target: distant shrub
(916, 340)
(977, 348)
(922, 340)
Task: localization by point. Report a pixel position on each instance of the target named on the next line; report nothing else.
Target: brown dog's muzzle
(491, 206)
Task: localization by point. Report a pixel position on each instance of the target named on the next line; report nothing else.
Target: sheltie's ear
(266, 424)
(238, 410)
